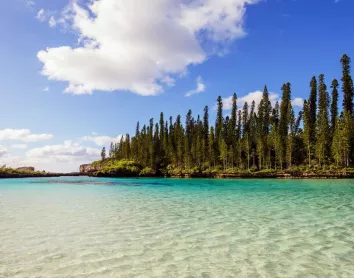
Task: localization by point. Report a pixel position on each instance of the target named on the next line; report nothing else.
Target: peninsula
(263, 140)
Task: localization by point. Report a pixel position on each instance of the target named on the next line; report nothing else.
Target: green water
(86, 227)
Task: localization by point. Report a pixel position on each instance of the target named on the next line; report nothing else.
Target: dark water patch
(102, 183)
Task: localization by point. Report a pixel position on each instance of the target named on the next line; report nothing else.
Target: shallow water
(86, 227)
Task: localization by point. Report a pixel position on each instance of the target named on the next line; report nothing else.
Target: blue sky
(135, 63)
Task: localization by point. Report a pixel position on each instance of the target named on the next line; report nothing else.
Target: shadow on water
(102, 183)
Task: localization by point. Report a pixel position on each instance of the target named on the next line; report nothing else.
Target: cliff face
(89, 168)
(26, 169)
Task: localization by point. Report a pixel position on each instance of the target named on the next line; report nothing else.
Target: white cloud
(249, 98)
(41, 15)
(3, 151)
(29, 3)
(137, 45)
(257, 97)
(65, 152)
(46, 89)
(65, 157)
(200, 88)
(299, 102)
(24, 135)
(19, 146)
(169, 81)
(45, 15)
(102, 140)
(52, 22)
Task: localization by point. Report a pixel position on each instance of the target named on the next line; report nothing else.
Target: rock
(89, 168)
(26, 169)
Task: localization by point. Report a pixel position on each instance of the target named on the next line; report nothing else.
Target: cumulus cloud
(46, 89)
(140, 46)
(3, 151)
(65, 152)
(41, 15)
(253, 96)
(23, 135)
(19, 146)
(200, 88)
(299, 102)
(65, 157)
(102, 140)
(257, 97)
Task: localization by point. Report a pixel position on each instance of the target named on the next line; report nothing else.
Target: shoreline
(343, 175)
(37, 175)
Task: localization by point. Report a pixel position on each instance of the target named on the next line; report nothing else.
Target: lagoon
(90, 227)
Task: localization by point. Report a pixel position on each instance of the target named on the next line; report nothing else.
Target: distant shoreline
(13, 174)
(216, 177)
(237, 176)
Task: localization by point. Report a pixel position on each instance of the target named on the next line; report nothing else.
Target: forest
(266, 137)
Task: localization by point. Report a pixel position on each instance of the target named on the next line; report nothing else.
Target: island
(29, 172)
(266, 140)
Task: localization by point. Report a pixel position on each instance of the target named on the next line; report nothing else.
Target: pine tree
(347, 85)
(253, 133)
(151, 143)
(266, 138)
(341, 140)
(156, 158)
(238, 146)
(284, 121)
(103, 154)
(334, 106)
(233, 120)
(336, 147)
(323, 139)
(212, 147)
(179, 134)
(219, 119)
(291, 136)
(188, 143)
(312, 112)
(246, 134)
(276, 136)
(307, 131)
(111, 150)
(162, 129)
(223, 152)
(206, 134)
(346, 137)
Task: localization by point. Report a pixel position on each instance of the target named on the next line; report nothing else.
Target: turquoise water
(86, 227)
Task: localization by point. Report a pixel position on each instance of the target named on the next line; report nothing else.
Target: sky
(76, 75)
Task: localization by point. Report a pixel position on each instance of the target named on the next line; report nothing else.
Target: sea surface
(88, 227)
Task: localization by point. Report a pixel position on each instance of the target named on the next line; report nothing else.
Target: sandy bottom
(79, 227)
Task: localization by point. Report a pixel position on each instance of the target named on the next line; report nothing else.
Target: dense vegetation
(6, 172)
(263, 138)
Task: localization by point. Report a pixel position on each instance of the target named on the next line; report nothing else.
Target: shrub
(147, 172)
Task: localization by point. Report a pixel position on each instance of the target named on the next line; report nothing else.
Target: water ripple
(176, 228)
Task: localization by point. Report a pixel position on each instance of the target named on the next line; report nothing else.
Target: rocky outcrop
(86, 169)
(26, 169)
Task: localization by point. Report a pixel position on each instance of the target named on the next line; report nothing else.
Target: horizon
(75, 84)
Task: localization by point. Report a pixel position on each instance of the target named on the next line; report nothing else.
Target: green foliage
(120, 168)
(147, 172)
(347, 86)
(6, 172)
(251, 140)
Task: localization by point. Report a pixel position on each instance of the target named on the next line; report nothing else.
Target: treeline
(252, 138)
